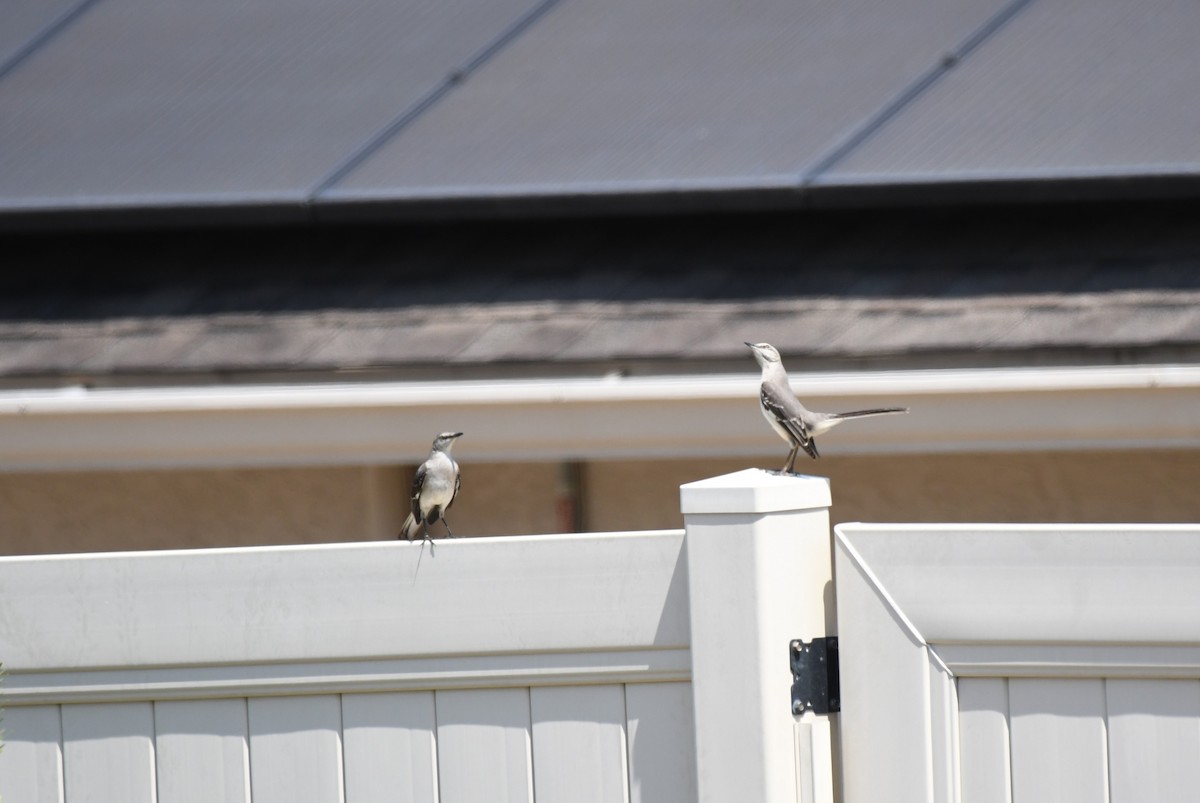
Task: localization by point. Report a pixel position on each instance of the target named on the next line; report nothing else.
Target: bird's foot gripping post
(759, 578)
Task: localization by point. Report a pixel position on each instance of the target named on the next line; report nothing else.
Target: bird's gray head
(444, 441)
(764, 353)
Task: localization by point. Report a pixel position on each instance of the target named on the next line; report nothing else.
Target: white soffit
(603, 418)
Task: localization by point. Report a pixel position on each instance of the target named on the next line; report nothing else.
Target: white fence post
(759, 576)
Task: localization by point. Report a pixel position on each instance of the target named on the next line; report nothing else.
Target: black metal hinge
(815, 683)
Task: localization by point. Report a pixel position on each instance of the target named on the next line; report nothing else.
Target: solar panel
(24, 20)
(606, 96)
(146, 102)
(1069, 88)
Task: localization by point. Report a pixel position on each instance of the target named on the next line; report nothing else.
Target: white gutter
(604, 418)
(608, 388)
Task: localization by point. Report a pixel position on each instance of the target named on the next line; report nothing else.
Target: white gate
(1019, 663)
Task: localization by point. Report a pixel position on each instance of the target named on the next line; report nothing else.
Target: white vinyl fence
(548, 668)
(979, 663)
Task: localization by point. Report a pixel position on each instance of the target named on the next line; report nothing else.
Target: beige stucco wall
(116, 510)
(505, 499)
(1146, 486)
(85, 511)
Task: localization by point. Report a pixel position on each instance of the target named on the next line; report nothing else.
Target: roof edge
(610, 201)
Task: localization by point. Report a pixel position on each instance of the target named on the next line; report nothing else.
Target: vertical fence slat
(484, 746)
(389, 747)
(983, 727)
(1154, 740)
(31, 761)
(579, 753)
(295, 749)
(202, 751)
(108, 752)
(662, 746)
(944, 735)
(1059, 749)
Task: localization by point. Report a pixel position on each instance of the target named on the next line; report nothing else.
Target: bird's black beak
(457, 435)
(748, 343)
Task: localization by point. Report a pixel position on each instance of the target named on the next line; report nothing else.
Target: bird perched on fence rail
(796, 424)
(434, 488)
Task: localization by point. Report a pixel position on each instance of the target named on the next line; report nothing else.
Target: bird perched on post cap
(796, 424)
(434, 488)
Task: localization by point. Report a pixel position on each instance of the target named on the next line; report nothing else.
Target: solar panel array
(296, 105)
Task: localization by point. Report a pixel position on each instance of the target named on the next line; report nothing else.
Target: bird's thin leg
(790, 462)
(448, 533)
(428, 537)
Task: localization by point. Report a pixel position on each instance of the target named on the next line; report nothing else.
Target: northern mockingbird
(787, 416)
(434, 488)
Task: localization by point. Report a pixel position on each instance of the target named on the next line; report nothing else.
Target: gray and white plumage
(434, 488)
(795, 423)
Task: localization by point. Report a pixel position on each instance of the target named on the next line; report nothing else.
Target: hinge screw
(797, 707)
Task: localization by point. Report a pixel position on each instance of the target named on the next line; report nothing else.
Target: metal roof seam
(877, 120)
(48, 32)
(455, 77)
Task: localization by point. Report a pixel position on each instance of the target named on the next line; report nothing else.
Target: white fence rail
(556, 668)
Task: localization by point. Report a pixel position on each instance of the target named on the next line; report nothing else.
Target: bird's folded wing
(792, 423)
(418, 482)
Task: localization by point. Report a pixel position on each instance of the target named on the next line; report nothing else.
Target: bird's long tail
(409, 529)
(866, 413)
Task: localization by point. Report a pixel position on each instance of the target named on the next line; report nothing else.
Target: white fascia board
(603, 418)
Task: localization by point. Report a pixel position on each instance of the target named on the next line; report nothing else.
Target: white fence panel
(579, 745)
(983, 722)
(391, 753)
(1154, 740)
(661, 734)
(202, 751)
(373, 671)
(1059, 750)
(1080, 739)
(108, 753)
(1072, 649)
(484, 751)
(31, 762)
(295, 749)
